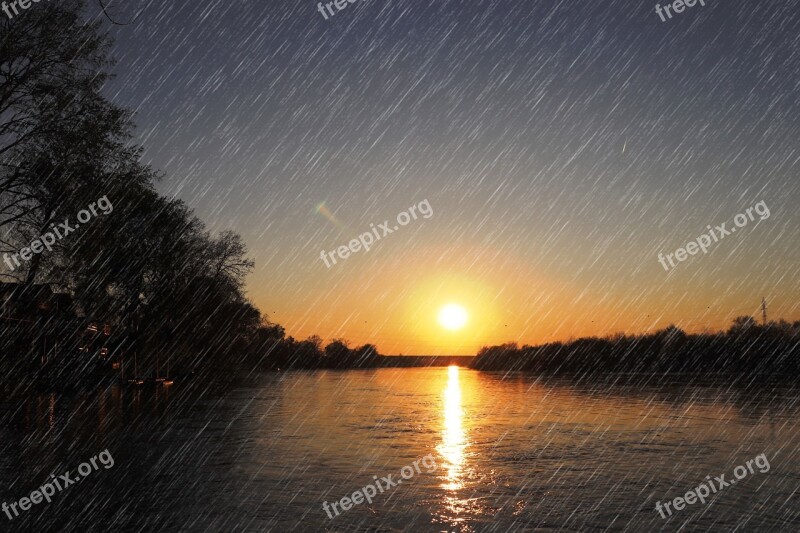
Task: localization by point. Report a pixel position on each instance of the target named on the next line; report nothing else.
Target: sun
(452, 317)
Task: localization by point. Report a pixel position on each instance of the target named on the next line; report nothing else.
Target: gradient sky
(561, 145)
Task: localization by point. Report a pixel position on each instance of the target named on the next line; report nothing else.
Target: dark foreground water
(512, 454)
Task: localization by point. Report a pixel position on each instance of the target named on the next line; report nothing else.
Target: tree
(742, 324)
(62, 144)
(337, 354)
(150, 265)
(52, 67)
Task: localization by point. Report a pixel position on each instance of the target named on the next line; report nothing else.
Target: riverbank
(746, 350)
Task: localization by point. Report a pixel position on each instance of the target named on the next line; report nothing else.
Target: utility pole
(764, 309)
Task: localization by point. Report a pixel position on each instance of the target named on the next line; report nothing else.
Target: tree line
(151, 268)
(745, 349)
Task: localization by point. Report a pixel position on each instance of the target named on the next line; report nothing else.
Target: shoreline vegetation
(746, 350)
(147, 292)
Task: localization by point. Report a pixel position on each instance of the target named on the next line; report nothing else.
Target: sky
(561, 146)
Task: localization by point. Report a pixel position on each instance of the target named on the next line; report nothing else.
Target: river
(512, 453)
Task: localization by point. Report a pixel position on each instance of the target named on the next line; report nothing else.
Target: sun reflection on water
(452, 449)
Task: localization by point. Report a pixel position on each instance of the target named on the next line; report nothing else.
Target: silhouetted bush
(746, 348)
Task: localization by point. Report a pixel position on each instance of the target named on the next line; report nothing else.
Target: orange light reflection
(454, 439)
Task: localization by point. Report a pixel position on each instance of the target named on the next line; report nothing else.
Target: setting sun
(452, 317)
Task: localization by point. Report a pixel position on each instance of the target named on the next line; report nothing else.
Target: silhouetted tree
(745, 350)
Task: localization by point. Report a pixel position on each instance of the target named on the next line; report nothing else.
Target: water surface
(513, 453)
